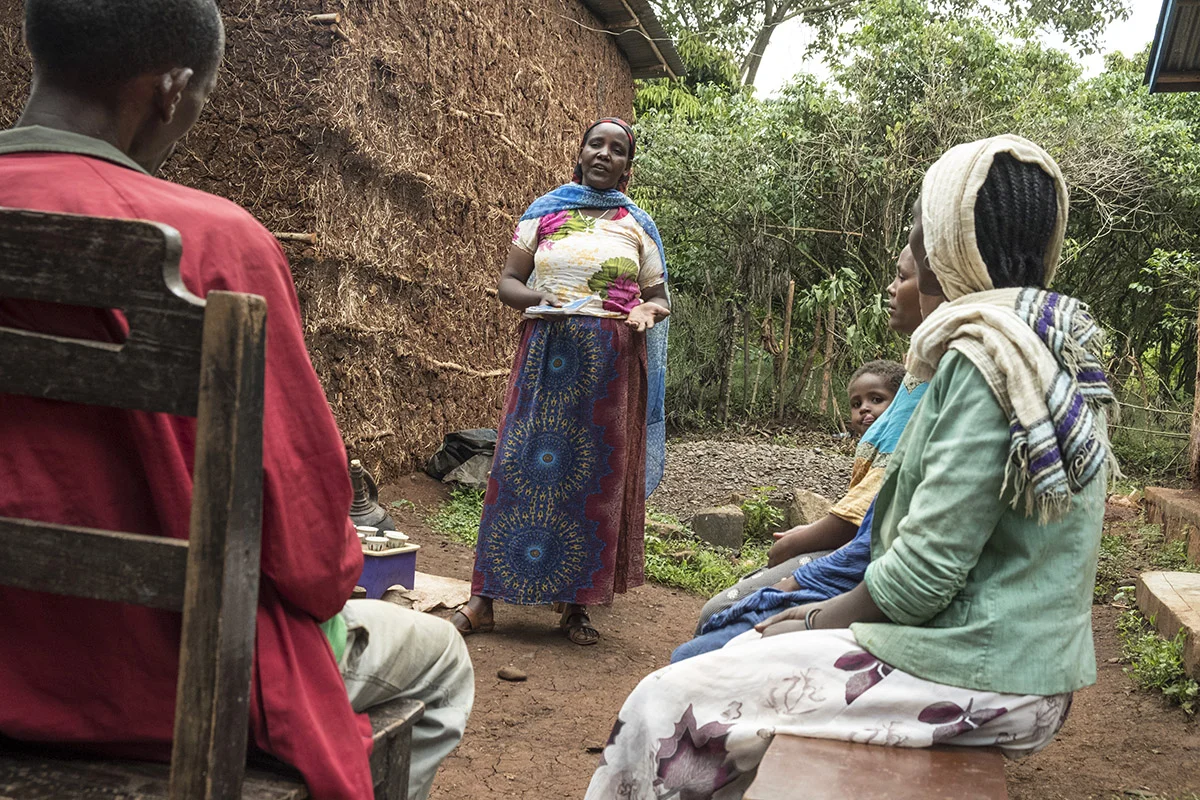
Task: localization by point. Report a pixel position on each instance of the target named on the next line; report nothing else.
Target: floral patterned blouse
(595, 266)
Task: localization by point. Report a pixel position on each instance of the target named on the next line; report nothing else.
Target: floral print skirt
(698, 729)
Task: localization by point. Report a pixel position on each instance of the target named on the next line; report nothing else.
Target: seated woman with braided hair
(972, 625)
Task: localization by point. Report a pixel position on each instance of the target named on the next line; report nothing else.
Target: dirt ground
(541, 738)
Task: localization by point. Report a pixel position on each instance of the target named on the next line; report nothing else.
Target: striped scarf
(1038, 352)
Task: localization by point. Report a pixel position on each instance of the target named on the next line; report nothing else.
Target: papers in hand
(552, 311)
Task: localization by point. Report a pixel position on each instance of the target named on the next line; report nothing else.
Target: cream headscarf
(1038, 351)
(948, 211)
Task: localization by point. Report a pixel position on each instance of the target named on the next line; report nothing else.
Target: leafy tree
(814, 187)
(745, 27)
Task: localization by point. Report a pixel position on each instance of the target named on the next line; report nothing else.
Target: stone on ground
(1172, 599)
(511, 674)
(721, 526)
(806, 507)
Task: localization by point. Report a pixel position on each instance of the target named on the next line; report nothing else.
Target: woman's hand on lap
(787, 621)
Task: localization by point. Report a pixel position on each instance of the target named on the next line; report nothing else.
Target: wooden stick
(1194, 446)
(787, 344)
(325, 19)
(310, 238)
(474, 373)
(337, 31)
(827, 372)
(374, 437)
(837, 412)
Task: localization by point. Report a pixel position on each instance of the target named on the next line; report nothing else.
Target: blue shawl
(843, 569)
(571, 196)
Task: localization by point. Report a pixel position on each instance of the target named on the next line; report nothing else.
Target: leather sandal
(578, 627)
(472, 619)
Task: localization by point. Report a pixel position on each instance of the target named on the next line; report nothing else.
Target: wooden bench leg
(392, 783)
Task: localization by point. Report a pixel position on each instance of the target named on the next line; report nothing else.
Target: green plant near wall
(458, 518)
(1156, 663)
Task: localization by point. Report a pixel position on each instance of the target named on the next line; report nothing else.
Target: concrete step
(1172, 599)
(1178, 511)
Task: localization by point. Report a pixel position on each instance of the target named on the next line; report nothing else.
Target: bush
(762, 518)
(1156, 663)
(458, 518)
(689, 564)
(1112, 567)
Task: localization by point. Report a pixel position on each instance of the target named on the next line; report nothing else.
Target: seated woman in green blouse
(973, 623)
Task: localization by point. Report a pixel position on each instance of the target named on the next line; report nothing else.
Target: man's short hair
(107, 42)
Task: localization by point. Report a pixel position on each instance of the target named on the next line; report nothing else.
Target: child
(871, 390)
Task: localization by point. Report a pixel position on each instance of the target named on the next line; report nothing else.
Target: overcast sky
(784, 59)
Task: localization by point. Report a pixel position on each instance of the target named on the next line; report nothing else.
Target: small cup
(376, 543)
(366, 530)
(396, 539)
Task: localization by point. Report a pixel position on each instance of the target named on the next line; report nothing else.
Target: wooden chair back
(183, 356)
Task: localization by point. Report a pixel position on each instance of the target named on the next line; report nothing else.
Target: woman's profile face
(604, 159)
(904, 299)
(926, 279)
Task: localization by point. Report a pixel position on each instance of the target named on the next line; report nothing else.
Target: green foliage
(688, 564)
(814, 187)
(743, 28)
(1113, 566)
(762, 518)
(1173, 557)
(458, 518)
(1156, 663)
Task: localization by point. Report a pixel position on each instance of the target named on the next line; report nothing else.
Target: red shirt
(103, 674)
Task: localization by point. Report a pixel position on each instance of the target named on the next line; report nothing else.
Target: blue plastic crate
(382, 570)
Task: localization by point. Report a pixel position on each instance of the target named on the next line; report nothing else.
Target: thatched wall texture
(409, 150)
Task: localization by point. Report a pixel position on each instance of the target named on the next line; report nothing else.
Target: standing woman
(564, 513)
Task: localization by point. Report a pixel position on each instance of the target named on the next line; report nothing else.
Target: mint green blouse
(980, 595)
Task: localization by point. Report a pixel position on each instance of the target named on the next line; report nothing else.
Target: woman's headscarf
(1038, 350)
(948, 198)
(577, 176)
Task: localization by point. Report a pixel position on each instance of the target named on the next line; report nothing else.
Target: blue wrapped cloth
(826, 577)
(572, 196)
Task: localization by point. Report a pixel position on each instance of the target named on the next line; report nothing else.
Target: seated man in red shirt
(116, 84)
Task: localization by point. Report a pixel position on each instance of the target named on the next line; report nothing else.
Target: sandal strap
(470, 615)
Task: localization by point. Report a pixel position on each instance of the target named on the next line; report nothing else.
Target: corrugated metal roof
(1175, 53)
(650, 51)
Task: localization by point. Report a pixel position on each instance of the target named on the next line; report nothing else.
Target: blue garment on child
(826, 577)
(573, 196)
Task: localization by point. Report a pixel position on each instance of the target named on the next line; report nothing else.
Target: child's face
(869, 397)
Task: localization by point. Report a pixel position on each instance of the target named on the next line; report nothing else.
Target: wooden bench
(189, 357)
(827, 769)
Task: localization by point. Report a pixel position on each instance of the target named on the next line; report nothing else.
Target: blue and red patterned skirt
(564, 514)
